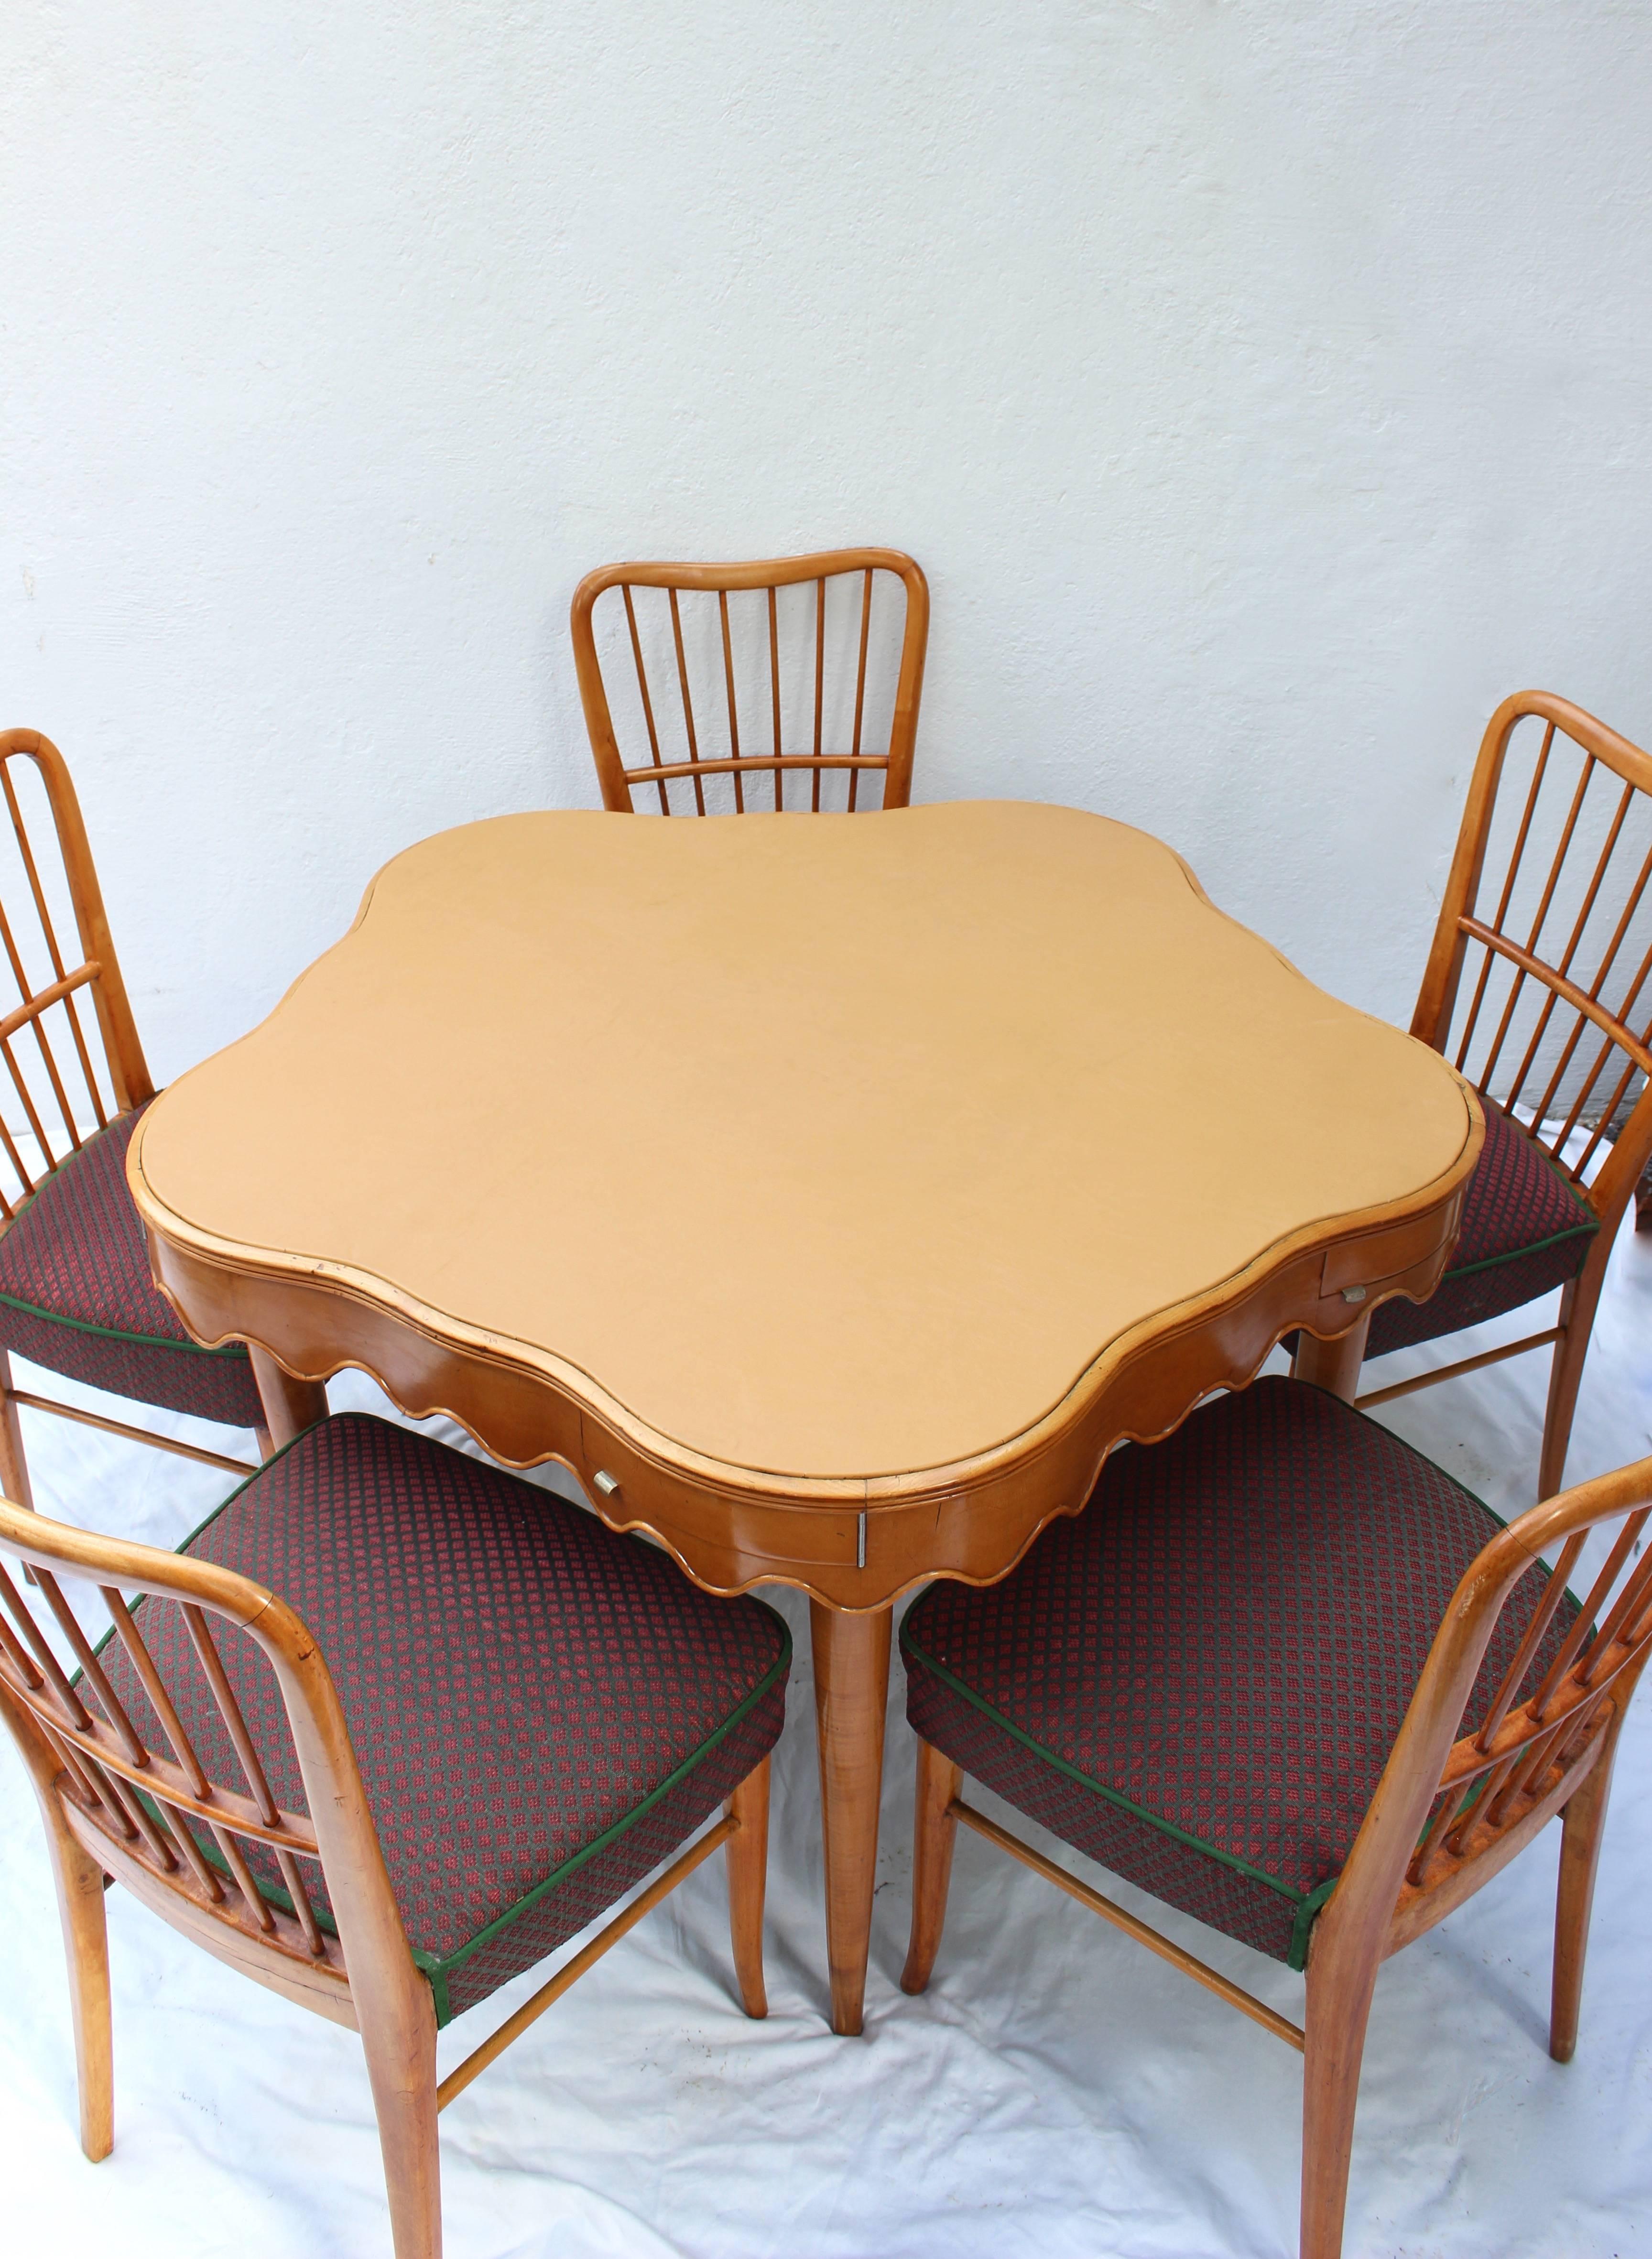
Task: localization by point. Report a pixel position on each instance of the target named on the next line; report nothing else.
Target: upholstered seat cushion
(1198, 1680)
(77, 1296)
(541, 1710)
(1525, 1229)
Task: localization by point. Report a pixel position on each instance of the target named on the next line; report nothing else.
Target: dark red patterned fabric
(541, 1710)
(1198, 1680)
(1525, 1230)
(77, 1296)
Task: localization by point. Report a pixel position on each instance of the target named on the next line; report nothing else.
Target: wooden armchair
(1286, 1675)
(831, 605)
(76, 1293)
(291, 1746)
(1536, 988)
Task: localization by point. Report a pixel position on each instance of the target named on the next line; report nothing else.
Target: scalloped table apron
(829, 1193)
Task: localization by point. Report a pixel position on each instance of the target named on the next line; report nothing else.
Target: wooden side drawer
(693, 1516)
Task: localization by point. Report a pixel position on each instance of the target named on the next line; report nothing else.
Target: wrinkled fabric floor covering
(1058, 2091)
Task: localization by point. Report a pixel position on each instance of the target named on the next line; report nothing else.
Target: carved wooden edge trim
(187, 1262)
(851, 1543)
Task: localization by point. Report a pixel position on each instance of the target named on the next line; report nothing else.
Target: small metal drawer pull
(1349, 1295)
(608, 1484)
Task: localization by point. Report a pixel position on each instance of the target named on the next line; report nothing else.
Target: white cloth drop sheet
(1057, 2092)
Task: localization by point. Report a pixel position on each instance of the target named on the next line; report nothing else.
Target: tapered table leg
(1333, 1365)
(289, 1406)
(851, 1687)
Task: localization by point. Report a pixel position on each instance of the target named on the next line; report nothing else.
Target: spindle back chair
(71, 1067)
(812, 716)
(1537, 990)
(57, 1092)
(1458, 1800)
(1459, 1796)
(299, 1899)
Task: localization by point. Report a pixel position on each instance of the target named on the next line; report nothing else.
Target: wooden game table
(829, 1193)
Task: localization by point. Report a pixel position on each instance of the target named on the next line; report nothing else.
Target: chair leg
(1583, 1824)
(747, 1852)
(934, 1833)
(1333, 2033)
(80, 1904)
(400, 2051)
(14, 1468)
(1577, 1305)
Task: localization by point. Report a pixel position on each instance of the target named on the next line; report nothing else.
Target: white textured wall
(1266, 388)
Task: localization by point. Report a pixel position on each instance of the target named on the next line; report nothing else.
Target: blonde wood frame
(852, 1542)
(1458, 927)
(1450, 1811)
(853, 1547)
(111, 1808)
(99, 975)
(616, 781)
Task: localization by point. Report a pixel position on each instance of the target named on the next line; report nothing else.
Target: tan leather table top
(827, 1145)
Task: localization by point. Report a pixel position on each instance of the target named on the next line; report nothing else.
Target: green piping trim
(1517, 1254)
(225, 1350)
(1306, 1914)
(435, 1967)
(1587, 1228)
(270, 1892)
(1309, 1904)
(445, 1964)
(257, 1475)
(1537, 1560)
(436, 1977)
(184, 1543)
(1098, 1788)
(84, 1325)
(1445, 1473)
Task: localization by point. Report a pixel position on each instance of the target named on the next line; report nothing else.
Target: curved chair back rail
(1458, 1796)
(806, 687)
(125, 1803)
(300, 1899)
(1539, 989)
